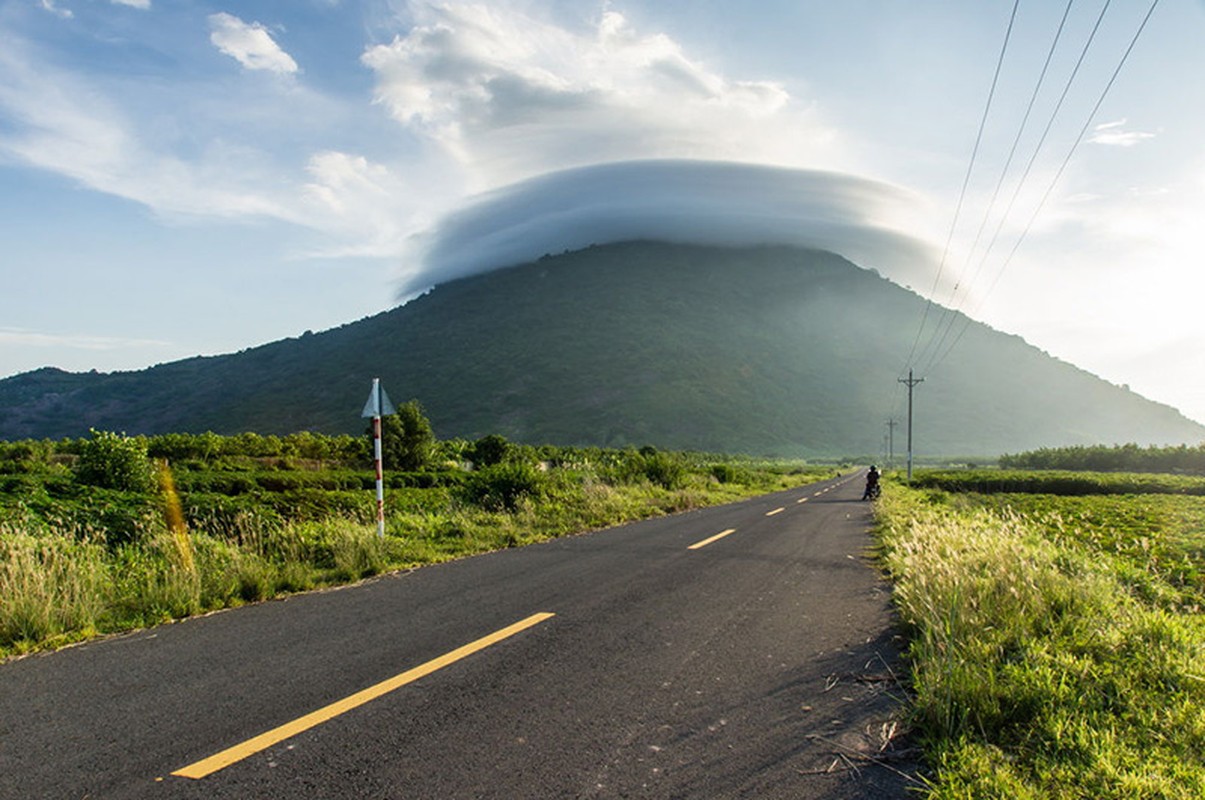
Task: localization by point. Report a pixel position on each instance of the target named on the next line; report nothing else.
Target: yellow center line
(817, 494)
(711, 539)
(232, 755)
(802, 500)
(775, 511)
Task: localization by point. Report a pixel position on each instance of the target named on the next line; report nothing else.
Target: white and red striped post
(378, 405)
(376, 452)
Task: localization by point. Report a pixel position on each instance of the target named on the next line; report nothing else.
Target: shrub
(501, 486)
(114, 461)
(730, 473)
(489, 450)
(664, 470)
(407, 442)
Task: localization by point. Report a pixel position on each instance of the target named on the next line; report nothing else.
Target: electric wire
(1062, 167)
(950, 313)
(896, 405)
(934, 346)
(965, 183)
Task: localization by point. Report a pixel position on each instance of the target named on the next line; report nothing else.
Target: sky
(192, 178)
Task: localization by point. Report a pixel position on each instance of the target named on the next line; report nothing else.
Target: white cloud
(139, 4)
(365, 203)
(707, 202)
(75, 126)
(249, 43)
(62, 123)
(511, 95)
(61, 13)
(1115, 135)
(489, 95)
(20, 337)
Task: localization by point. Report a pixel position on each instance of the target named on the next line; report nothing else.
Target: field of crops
(1057, 640)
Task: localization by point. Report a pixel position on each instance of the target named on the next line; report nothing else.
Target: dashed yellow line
(802, 500)
(232, 755)
(711, 539)
(775, 511)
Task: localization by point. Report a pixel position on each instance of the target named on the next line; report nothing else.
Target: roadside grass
(1058, 482)
(63, 580)
(1053, 653)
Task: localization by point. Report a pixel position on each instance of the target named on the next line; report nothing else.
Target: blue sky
(182, 178)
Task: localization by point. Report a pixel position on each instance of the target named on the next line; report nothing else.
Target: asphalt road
(757, 665)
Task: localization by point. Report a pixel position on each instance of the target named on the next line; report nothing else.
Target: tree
(407, 441)
(489, 450)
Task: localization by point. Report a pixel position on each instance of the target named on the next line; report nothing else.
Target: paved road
(742, 668)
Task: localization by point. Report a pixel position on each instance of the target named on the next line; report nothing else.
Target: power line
(950, 314)
(966, 179)
(934, 347)
(1062, 167)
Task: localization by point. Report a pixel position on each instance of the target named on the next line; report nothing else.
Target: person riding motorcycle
(872, 483)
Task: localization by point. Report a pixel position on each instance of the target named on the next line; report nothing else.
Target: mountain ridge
(768, 350)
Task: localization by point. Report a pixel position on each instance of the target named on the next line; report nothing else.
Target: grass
(66, 576)
(1059, 482)
(1053, 654)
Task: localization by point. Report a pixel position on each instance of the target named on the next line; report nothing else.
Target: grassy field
(1057, 642)
(78, 560)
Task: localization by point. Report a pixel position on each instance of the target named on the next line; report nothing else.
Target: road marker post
(378, 405)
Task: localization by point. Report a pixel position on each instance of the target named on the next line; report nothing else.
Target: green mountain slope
(762, 350)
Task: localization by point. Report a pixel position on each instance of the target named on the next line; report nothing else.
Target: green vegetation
(1057, 482)
(761, 350)
(407, 441)
(1127, 458)
(90, 542)
(1057, 642)
(114, 461)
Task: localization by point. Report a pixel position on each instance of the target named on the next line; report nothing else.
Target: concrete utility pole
(910, 383)
(891, 423)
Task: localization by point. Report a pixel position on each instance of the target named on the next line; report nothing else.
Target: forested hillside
(768, 350)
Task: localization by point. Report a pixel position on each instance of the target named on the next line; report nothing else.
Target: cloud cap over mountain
(681, 201)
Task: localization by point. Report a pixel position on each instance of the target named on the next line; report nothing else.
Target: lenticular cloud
(695, 202)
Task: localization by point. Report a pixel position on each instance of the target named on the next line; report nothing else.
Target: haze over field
(198, 178)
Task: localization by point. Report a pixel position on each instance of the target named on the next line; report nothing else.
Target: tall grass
(50, 586)
(1037, 673)
(55, 589)
(59, 585)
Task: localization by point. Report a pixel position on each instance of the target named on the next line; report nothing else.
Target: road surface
(738, 651)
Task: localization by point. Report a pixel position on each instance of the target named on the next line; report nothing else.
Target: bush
(114, 461)
(489, 450)
(730, 473)
(664, 470)
(501, 486)
(407, 441)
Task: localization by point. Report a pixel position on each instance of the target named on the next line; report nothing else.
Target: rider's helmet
(873, 468)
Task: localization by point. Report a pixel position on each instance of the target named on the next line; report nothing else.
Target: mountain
(767, 350)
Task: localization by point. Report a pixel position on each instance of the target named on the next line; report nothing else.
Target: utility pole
(891, 423)
(910, 383)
